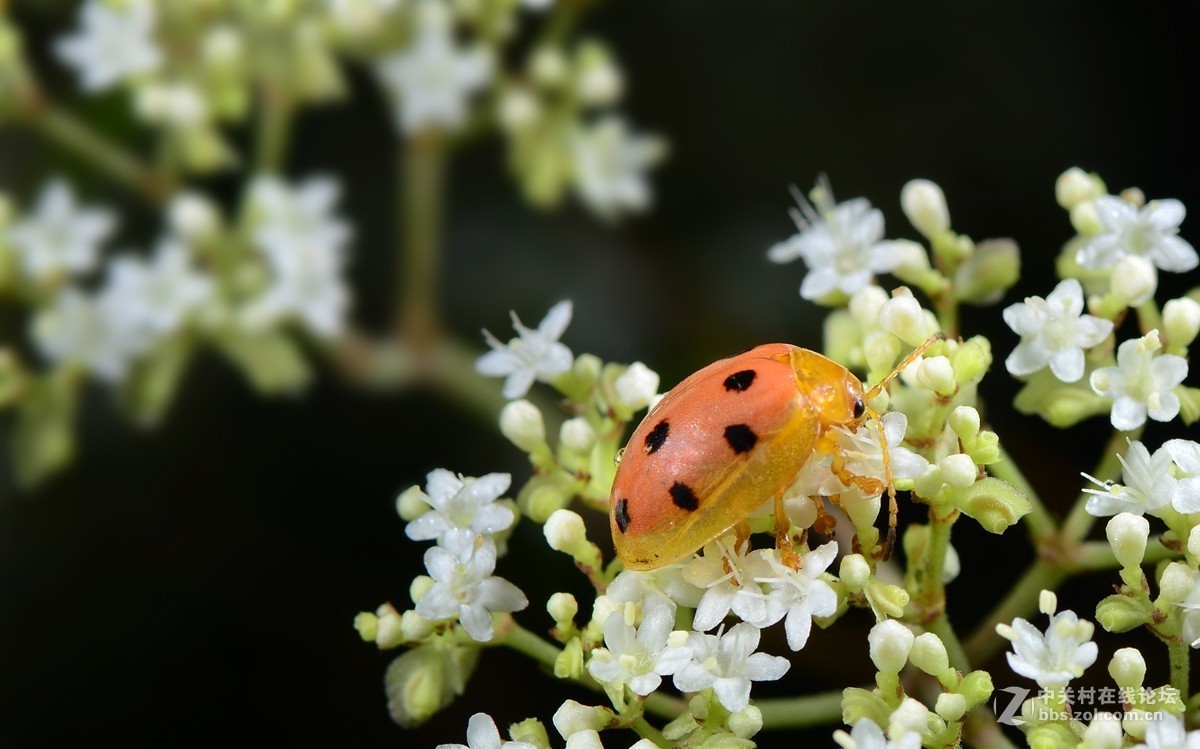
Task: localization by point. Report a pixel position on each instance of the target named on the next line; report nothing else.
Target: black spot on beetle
(860, 408)
(741, 438)
(683, 497)
(621, 514)
(657, 436)
(739, 381)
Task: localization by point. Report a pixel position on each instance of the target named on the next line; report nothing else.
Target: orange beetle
(727, 439)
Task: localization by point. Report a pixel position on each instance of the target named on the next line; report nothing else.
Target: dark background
(198, 583)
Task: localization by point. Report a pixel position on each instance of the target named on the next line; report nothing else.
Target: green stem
(1179, 653)
(1098, 555)
(933, 588)
(801, 712)
(1041, 523)
(274, 129)
(643, 728)
(422, 171)
(1022, 598)
(1149, 318)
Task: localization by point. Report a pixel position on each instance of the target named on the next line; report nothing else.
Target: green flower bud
(412, 503)
(745, 723)
(986, 448)
(1121, 614)
(995, 504)
(929, 654)
(366, 624)
(425, 679)
(636, 386)
(722, 740)
(1074, 186)
(1135, 723)
(415, 627)
(1193, 542)
(389, 632)
(1051, 736)
(577, 435)
(864, 306)
(522, 424)
(680, 727)
(573, 717)
(569, 663)
(964, 422)
(989, 272)
(566, 532)
(936, 373)
(1127, 534)
(924, 205)
(855, 571)
(951, 707)
(541, 498)
(548, 67)
(598, 82)
(911, 715)
(930, 483)
(1177, 581)
(890, 642)
(1127, 668)
(880, 349)
(958, 470)
(418, 586)
(860, 703)
(1104, 732)
(972, 359)
(1085, 219)
(1180, 323)
(887, 601)
(1189, 404)
(1134, 197)
(903, 316)
(531, 731)
(562, 608)
(976, 687)
(843, 337)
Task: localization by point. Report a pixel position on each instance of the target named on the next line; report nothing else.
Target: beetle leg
(783, 536)
(825, 523)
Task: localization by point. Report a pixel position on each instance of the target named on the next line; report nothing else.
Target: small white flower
(533, 355)
(432, 79)
(1149, 486)
(727, 663)
(1186, 455)
(1141, 383)
(464, 587)
(1151, 232)
(610, 165)
(664, 587)
(1054, 332)
(157, 295)
(863, 453)
(303, 244)
(483, 734)
(1166, 731)
(83, 329)
(177, 105)
(59, 236)
(114, 42)
(727, 574)
(840, 243)
(462, 506)
(866, 734)
(638, 657)
(636, 386)
(1183, 584)
(1055, 657)
(800, 595)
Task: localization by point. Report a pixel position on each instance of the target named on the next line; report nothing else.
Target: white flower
(360, 16)
(866, 734)
(665, 587)
(533, 355)
(610, 165)
(840, 243)
(464, 587)
(303, 244)
(638, 657)
(1186, 455)
(799, 595)
(863, 454)
(1186, 581)
(1149, 486)
(462, 506)
(432, 79)
(1056, 657)
(115, 41)
(1151, 232)
(82, 329)
(636, 386)
(59, 236)
(1054, 331)
(157, 295)
(1141, 383)
(178, 105)
(727, 576)
(727, 663)
(1166, 731)
(483, 734)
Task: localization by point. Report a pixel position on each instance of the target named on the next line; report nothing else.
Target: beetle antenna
(893, 508)
(912, 356)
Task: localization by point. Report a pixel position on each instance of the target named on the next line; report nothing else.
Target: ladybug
(727, 439)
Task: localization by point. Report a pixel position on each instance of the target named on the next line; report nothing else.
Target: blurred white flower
(1141, 383)
(462, 505)
(638, 657)
(664, 587)
(866, 734)
(115, 41)
(483, 734)
(1149, 485)
(1166, 731)
(727, 663)
(1055, 332)
(537, 4)
(432, 79)
(727, 575)
(840, 243)
(1186, 455)
(82, 329)
(464, 587)
(533, 355)
(59, 236)
(156, 295)
(610, 165)
(303, 243)
(1151, 232)
(863, 453)
(799, 595)
(1055, 657)
(179, 105)
(360, 16)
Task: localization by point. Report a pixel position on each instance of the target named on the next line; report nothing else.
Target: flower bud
(521, 423)
(599, 82)
(994, 504)
(880, 349)
(222, 47)
(569, 663)
(519, 108)
(192, 216)
(586, 739)
(929, 483)
(1176, 583)
(412, 503)
(910, 261)
(562, 608)
(886, 600)
(991, 269)
(958, 470)
(951, 565)
(1135, 723)
(414, 626)
(903, 317)
(565, 531)
(855, 571)
(866, 303)
(367, 625)
(1134, 197)
(976, 687)
(1120, 613)
(1134, 280)
(425, 679)
(910, 716)
(636, 386)
(1193, 542)
(964, 421)
(577, 435)
(929, 654)
(972, 359)
(1104, 732)
(950, 707)
(1127, 668)
(890, 642)
(1047, 602)
(539, 502)
(745, 723)
(530, 731)
(925, 206)
(1127, 534)
(389, 632)
(1085, 219)
(573, 717)
(935, 373)
(801, 511)
(1181, 322)
(548, 67)
(1074, 186)
(418, 586)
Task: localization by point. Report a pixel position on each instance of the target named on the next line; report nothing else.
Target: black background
(198, 583)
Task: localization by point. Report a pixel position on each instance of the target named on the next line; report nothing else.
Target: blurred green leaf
(272, 362)
(43, 441)
(152, 385)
